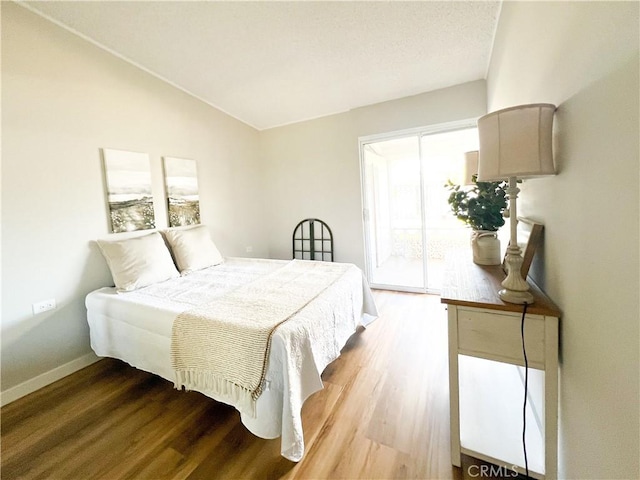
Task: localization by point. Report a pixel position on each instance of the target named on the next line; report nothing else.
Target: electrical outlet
(44, 306)
(249, 249)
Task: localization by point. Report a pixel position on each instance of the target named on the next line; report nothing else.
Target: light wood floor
(384, 413)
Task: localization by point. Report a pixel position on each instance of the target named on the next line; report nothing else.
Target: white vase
(485, 247)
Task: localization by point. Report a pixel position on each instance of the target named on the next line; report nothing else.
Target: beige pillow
(138, 262)
(193, 248)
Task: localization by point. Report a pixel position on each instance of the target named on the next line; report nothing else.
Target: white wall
(313, 168)
(62, 100)
(584, 57)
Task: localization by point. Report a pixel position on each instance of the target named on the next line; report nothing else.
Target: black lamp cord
(526, 384)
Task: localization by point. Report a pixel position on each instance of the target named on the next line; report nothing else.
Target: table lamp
(516, 143)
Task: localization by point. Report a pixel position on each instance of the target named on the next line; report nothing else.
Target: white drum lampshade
(516, 142)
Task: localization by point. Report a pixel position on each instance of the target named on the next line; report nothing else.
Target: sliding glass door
(394, 213)
(407, 222)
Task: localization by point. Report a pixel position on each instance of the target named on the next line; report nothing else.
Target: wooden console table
(482, 325)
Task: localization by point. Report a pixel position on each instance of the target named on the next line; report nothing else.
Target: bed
(136, 325)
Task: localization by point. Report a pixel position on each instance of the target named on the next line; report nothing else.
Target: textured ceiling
(275, 63)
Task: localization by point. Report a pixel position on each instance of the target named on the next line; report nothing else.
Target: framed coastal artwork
(181, 181)
(129, 197)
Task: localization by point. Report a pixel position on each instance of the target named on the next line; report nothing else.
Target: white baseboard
(25, 388)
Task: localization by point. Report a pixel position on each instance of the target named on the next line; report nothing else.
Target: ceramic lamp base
(513, 296)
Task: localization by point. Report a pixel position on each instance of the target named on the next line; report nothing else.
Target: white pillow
(138, 262)
(193, 248)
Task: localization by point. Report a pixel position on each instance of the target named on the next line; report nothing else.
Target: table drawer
(496, 336)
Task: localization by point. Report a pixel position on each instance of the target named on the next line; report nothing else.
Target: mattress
(136, 327)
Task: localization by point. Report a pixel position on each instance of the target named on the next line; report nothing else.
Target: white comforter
(136, 327)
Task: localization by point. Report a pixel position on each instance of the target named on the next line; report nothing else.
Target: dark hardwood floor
(383, 413)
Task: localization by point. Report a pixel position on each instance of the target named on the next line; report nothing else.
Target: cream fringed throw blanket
(221, 348)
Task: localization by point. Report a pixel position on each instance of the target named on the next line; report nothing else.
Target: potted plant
(481, 207)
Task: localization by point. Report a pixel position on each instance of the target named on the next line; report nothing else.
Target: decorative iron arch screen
(313, 240)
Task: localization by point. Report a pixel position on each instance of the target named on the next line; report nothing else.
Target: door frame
(418, 132)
